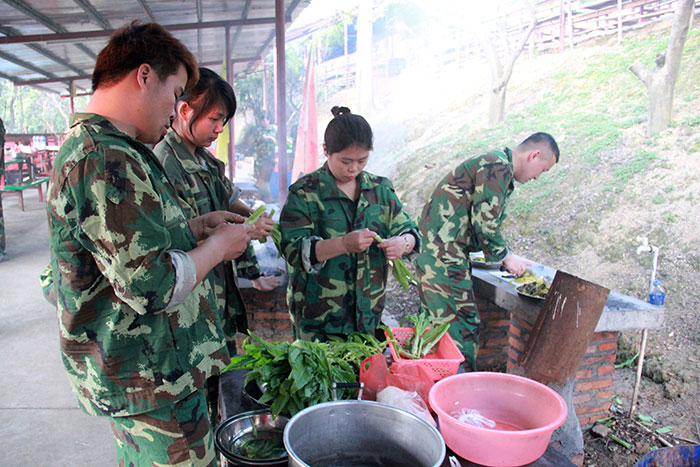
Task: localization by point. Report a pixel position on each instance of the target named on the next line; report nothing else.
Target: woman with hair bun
(337, 269)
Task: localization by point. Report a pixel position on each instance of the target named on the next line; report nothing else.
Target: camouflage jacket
(345, 293)
(466, 210)
(114, 218)
(202, 188)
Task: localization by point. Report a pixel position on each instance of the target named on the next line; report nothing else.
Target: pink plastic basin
(526, 414)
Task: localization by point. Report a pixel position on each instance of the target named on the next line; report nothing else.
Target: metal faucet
(646, 248)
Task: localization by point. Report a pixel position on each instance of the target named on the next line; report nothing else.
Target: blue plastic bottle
(657, 295)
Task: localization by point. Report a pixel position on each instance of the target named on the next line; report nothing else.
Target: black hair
(542, 139)
(345, 130)
(136, 44)
(210, 91)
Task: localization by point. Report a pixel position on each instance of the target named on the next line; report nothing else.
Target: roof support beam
(25, 64)
(66, 79)
(41, 50)
(90, 10)
(22, 6)
(199, 31)
(16, 83)
(67, 36)
(288, 18)
(244, 15)
(147, 9)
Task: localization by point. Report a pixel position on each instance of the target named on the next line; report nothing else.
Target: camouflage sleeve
(176, 176)
(297, 228)
(235, 194)
(488, 210)
(247, 264)
(400, 222)
(47, 285)
(185, 277)
(120, 217)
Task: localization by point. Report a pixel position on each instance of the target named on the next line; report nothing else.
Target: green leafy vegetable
(664, 429)
(300, 374)
(253, 218)
(398, 269)
(428, 330)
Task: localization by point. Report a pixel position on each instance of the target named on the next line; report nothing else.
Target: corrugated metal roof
(45, 42)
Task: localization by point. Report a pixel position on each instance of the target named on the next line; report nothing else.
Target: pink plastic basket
(440, 364)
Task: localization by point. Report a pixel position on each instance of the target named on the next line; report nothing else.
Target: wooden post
(619, 21)
(281, 102)
(231, 156)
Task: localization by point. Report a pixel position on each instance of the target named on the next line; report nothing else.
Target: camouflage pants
(446, 290)
(177, 435)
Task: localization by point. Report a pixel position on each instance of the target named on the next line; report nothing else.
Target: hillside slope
(612, 185)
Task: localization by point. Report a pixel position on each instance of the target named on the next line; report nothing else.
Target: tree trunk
(661, 82)
(497, 106)
(500, 75)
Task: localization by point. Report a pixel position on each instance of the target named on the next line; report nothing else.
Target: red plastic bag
(375, 375)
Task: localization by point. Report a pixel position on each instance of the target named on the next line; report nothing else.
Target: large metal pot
(361, 433)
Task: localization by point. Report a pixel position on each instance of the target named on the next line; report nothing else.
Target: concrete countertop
(621, 312)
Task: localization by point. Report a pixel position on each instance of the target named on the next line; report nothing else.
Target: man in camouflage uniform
(139, 336)
(464, 215)
(345, 293)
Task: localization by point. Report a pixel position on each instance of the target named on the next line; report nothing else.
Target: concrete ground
(40, 423)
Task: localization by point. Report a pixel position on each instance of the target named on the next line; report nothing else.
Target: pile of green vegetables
(300, 374)
(427, 332)
(398, 269)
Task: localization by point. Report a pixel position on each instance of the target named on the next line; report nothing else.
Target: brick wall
(504, 335)
(268, 315)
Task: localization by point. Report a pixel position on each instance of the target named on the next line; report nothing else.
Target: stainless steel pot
(361, 433)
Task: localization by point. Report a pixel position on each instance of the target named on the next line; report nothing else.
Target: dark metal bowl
(243, 425)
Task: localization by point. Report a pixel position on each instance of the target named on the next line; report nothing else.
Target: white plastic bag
(407, 400)
(473, 417)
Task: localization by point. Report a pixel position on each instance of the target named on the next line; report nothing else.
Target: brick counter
(507, 320)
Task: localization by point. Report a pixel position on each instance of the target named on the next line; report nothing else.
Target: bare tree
(661, 81)
(500, 74)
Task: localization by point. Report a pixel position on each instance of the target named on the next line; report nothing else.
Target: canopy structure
(52, 45)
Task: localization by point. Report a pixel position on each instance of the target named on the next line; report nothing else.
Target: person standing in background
(464, 214)
(140, 333)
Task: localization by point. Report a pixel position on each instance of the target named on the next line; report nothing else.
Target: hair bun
(339, 110)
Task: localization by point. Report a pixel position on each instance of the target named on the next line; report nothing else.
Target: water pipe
(643, 248)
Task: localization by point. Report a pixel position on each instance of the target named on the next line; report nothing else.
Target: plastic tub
(526, 414)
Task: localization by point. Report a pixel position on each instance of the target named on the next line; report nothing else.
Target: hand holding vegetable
(358, 240)
(203, 226)
(263, 227)
(398, 269)
(231, 239)
(394, 247)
